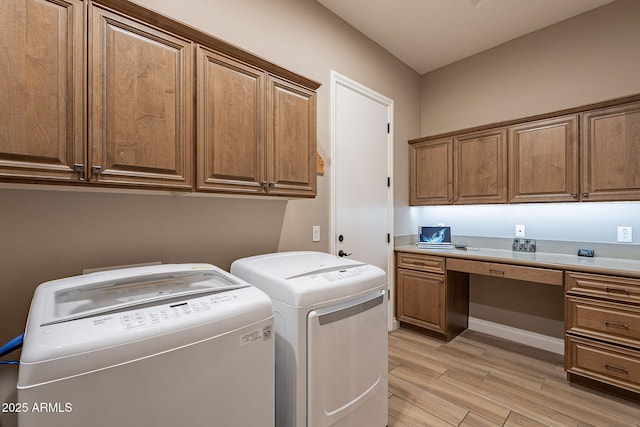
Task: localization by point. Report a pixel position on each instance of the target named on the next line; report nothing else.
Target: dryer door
(347, 363)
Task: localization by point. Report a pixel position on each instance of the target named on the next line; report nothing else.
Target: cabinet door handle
(574, 195)
(264, 185)
(616, 325)
(79, 169)
(585, 194)
(616, 368)
(616, 290)
(96, 170)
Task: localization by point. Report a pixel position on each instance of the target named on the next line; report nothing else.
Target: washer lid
(116, 290)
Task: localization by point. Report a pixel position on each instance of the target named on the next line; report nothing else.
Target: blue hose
(12, 345)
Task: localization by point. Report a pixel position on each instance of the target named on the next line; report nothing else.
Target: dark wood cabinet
(140, 103)
(41, 90)
(291, 139)
(140, 81)
(543, 161)
(256, 132)
(610, 153)
(588, 153)
(231, 116)
(431, 172)
(602, 340)
(480, 167)
(430, 298)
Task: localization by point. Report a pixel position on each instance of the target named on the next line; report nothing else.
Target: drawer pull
(616, 290)
(418, 263)
(616, 368)
(615, 324)
(496, 272)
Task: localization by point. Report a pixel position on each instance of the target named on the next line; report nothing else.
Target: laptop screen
(434, 234)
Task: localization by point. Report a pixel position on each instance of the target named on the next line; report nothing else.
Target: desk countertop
(597, 265)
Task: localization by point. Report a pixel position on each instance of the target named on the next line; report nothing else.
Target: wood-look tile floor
(479, 380)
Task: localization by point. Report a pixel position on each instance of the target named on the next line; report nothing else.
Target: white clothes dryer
(164, 345)
(331, 337)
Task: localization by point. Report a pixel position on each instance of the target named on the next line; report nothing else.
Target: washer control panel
(157, 314)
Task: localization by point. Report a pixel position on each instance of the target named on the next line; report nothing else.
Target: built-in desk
(601, 309)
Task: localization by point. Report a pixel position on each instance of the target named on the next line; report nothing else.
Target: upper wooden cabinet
(543, 161)
(588, 153)
(140, 103)
(256, 133)
(41, 89)
(291, 139)
(132, 73)
(480, 167)
(231, 132)
(431, 172)
(611, 153)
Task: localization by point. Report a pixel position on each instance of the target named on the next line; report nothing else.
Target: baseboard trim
(533, 339)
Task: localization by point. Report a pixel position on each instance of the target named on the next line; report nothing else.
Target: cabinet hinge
(388, 127)
(388, 237)
(389, 181)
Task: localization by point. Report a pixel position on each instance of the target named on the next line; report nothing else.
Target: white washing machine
(164, 345)
(331, 337)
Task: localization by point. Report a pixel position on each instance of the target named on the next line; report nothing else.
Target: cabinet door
(421, 299)
(140, 103)
(431, 172)
(41, 89)
(480, 164)
(231, 136)
(291, 139)
(543, 161)
(611, 153)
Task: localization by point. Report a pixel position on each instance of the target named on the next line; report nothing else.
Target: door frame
(338, 79)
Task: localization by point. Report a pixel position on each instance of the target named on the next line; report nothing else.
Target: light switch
(316, 233)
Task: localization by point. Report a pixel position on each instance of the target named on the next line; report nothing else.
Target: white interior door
(362, 142)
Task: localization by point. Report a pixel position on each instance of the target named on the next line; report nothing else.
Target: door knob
(342, 253)
(340, 238)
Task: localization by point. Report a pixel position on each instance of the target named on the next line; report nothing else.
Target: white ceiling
(429, 34)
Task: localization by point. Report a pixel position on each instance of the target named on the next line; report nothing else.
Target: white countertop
(597, 265)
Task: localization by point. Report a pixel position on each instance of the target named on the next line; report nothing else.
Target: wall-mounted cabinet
(231, 115)
(291, 139)
(41, 90)
(140, 103)
(480, 167)
(543, 160)
(611, 153)
(256, 131)
(431, 172)
(588, 153)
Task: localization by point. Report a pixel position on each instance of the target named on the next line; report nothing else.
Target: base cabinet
(429, 298)
(602, 340)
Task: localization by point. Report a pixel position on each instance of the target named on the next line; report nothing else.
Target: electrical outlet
(523, 245)
(316, 233)
(519, 230)
(625, 234)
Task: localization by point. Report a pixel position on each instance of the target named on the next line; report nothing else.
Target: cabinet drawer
(613, 365)
(433, 264)
(508, 271)
(614, 288)
(604, 320)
